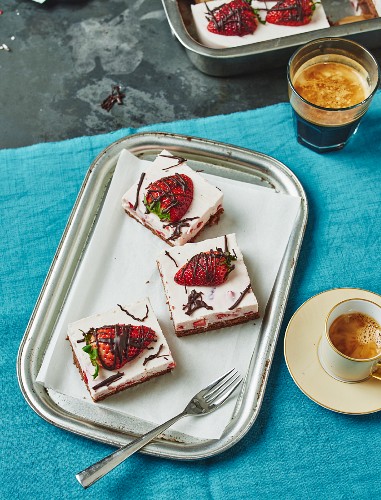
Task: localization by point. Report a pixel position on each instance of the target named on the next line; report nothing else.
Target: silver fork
(204, 402)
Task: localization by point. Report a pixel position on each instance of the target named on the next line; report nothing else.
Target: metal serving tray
(103, 424)
(268, 54)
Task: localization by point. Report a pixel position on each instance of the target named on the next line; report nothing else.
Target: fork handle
(91, 474)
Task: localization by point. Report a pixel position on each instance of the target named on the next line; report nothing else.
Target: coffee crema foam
(356, 335)
(331, 85)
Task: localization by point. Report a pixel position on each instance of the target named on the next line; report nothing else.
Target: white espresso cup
(350, 348)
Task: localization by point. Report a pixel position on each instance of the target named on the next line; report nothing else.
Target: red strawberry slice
(291, 12)
(236, 18)
(206, 269)
(169, 197)
(116, 345)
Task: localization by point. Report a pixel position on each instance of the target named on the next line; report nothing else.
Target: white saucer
(300, 349)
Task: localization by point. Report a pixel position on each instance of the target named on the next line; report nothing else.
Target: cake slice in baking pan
(221, 24)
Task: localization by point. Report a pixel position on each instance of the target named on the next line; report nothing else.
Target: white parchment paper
(119, 266)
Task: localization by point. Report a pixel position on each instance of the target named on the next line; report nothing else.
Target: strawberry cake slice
(172, 200)
(119, 348)
(207, 285)
(225, 24)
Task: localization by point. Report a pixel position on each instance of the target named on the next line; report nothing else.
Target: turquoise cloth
(295, 449)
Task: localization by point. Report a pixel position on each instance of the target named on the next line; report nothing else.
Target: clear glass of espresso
(331, 82)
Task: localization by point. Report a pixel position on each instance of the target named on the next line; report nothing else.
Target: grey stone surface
(67, 54)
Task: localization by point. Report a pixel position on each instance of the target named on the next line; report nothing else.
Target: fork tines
(217, 392)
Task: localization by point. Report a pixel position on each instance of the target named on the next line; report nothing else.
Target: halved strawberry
(112, 346)
(291, 12)
(236, 18)
(206, 269)
(169, 197)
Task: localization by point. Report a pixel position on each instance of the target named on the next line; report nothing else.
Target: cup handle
(377, 372)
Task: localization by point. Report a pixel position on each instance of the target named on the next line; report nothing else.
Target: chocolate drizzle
(153, 356)
(207, 262)
(227, 248)
(231, 19)
(291, 13)
(123, 346)
(179, 159)
(134, 317)
(238, 301)
(138, 190)
(178, 225)
(195, 302)
(170, 256)
(109, 380)
(156, 194)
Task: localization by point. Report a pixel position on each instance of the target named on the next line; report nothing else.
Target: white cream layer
(134, 371)
(207, 199)
(220, 297)
(263, 32)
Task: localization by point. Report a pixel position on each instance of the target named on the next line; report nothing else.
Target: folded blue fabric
(295, 449)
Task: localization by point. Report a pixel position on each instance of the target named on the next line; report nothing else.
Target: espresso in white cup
(350, 348)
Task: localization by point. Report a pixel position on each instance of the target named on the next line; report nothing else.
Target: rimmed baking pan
(267, 54)
(103, 424)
